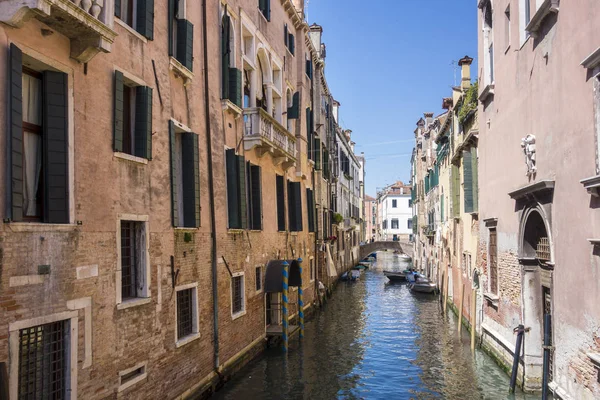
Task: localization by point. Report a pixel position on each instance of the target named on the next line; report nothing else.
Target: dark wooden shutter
(286, 37)
(225, 54)
(292, 44)
(298, 206)
(309, 68)
(185, 43)
(467, 181)
(291, 206)
(255, 197)
(191, 180)
(118, 8)
(235, 86)
(145, 18)
(16, 132)
(475, 179)
(280, 189)
(308, 112)
(267, 12)
(310, 210)
(233, 204)
(317, 151)
(143, 122)
(243, 195)
(174, 189)
(55, 148)
(118, 111)
(171, 17)
(293, 112)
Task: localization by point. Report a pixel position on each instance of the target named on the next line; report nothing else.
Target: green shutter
(255, 191)
(243, 193)
(143, 122)
(235, 86)
(317, 150)
(292, 216)
(16, 132)
(145, 18)
(118, 8)
(268, 10)
(171, 18)
(225, 54)
(118, 112)
(442, 208)
(173, 166)
(308, 112)
(185, 43)
(55, 148)
(455, 191)
(475, 180)
(298, 206)
(467, 181)
(310, 210)
(293, 112)
(190, 171)
(309, 68)
(280, 189)
(233, 202)
(286, 37)
(292, 44)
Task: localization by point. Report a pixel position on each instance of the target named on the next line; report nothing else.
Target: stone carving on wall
(528, 146)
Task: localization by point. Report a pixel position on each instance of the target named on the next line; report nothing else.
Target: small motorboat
(355, 275)
(395, 276)
(420, 284)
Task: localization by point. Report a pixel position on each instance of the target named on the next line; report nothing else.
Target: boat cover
(274, 275)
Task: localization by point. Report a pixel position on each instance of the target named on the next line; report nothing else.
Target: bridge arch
(369, 248)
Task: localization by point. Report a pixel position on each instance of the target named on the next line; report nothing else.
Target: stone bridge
(368, 248)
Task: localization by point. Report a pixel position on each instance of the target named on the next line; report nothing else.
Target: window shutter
(291, 207)
(16, 132)
(145, 18)
(309, 68)
(468, 181)
(298, 205)
(455, 191)
(191, 180)
(317, 151)
(235, 86)
(310, 210)
(286, 38)
(292, 41)
(233, 191)
(293, 112)
(171, 16)
(173, 166)
(55, 139)
(475, 179)
(280, 189)
(118, 110)
(268, 9)
(243, 193)
(118, 8)
(255, 193)
(225, 54)
(185, 43)
(143, 122)
(442, 208)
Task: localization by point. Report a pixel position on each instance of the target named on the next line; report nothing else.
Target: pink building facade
(538, 178)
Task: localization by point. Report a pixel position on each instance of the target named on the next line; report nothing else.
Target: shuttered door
(475, 178)
(55, 156)
(16, 132)
(291, 206)
(298, 205)
(185, 43)
(145, 18)
(173, 167)
(225, 54)
(243, 195)
(191, 180)
(255, 197)
(143, 122)
(118, 108)
(455, 191)
(233, 192)
(235, 86)
(310, 210)
(280, 189)
(467, 181)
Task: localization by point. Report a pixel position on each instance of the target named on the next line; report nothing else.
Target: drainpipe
(211, 191)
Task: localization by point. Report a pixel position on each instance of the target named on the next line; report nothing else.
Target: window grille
(128, 259)
(184, 313)
(237, 293)
(543, 249)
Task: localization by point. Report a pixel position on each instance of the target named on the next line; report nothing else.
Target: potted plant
(337, 218)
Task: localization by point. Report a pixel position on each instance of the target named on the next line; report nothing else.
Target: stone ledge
(547, 7)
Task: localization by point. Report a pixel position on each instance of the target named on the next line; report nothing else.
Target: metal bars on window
(237, 294)
(43, 361)
(543, 249)
(128, 259)
(185, 311)
(493, 262)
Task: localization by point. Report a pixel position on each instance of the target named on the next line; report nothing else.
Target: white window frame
(146, 294)
(71, 367)
(195, 316)
(133, 381)
(243, 311)
(523, 34)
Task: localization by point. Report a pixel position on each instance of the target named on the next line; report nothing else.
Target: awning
(274, 275)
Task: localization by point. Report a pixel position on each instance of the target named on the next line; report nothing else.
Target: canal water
(374, 340)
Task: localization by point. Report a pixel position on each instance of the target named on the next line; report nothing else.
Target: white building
(394, 208)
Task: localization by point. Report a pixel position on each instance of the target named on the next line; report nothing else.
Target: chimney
(315, 34)
(465, 72)
(428, 118)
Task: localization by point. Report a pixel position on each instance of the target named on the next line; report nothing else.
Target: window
(43, 361)
(394, 223)
(280, 189)
(258, 276)
(488, 40)
(507, 27)
(289, 40)
(238, 306)
(38, 117)
(187, 311)
(309, 66)
(294, 206)
(524, 19)
(181, 34)
(312, 269)
(470, 183)
(132, 117)
(138, 14)
(131, 376)
(493, 263)
(310, 210)
(133, 270)
(265, 8)
(409, 224)
(394, 203)
(253, 176)
(185, 177)
(409, 203)
(385, 224)
(236, 190)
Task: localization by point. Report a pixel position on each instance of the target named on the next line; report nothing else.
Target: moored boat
(395, 276)
(423, 287)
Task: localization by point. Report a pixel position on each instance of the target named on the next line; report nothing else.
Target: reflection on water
(374, 340)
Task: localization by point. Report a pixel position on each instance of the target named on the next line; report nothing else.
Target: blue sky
(388, 62)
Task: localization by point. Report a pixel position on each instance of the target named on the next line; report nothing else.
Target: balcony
(264, 134)
(86, 22)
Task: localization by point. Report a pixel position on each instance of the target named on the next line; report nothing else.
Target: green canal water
(375, 340)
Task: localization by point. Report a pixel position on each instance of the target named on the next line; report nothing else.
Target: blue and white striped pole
(300, 301)
(284, 308)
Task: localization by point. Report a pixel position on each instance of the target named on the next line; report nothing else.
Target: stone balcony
(264, 134)
(88, 23)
